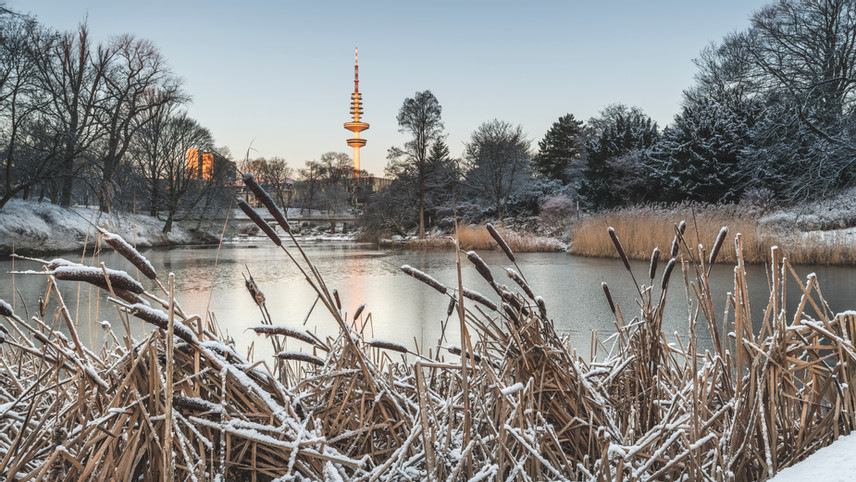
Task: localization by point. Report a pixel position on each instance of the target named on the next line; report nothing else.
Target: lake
(401, 308)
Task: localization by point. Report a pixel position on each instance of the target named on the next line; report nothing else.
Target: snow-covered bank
(36, 228)
(834, 463)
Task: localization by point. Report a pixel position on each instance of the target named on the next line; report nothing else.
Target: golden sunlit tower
(356, 126)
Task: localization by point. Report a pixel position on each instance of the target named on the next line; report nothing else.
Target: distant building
(202, 166)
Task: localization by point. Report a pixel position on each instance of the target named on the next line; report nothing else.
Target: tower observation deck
(356, 126)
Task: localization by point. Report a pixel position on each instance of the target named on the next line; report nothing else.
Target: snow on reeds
(344, 409)
(645, 227)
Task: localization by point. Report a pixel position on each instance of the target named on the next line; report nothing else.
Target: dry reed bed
(477, 237)
(645, 227)
(518, 405)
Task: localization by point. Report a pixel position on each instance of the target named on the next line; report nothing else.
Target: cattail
(500, 241)
(128, 296)
(619, 248)
(283, 330)
(130, 253)
(42, 307)
(255, 291)
(387, 345)
(160, 320)
(195, 404)
(520, 282)
(608, 296)
(456, 350)
(720, 238)
(336, 297)
(667, 273)
(451, 307)
(682, 227)
(480, 265)
(511, 313)
(266, 200)
(3, 336)
(479, 298)
(655, 258)
(300, 356)
(5, 309)
(254, 217)
(428, 280)
(95, 276)
(542, 306)
(359, 311)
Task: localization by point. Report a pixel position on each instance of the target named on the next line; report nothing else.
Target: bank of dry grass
(643, 228)
(476, 237)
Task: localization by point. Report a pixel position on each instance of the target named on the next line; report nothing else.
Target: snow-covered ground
(836, 463)
(36, 228)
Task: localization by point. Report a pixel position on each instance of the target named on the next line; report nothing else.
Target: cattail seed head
(95, 276)
(681, 228)
(336, 298)
(359, 311)
(619, 248)
(128, 252)
(451, 307)
(720, 238)
(500, 241)
(542, 307)
(520, 282)
(652, 268)
(479, 298)
(5, 309)
(266, 201)
(253, 288)
(456, 350)
(480, 265)
(608, 296)
(387, 345)
(282, 330)
(667, 273)
(300, 356)
(425, 278)
(254, 217)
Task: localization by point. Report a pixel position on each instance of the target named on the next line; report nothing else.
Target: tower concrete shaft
(356, 126)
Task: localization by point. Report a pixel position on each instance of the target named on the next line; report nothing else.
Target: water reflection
(401, 308)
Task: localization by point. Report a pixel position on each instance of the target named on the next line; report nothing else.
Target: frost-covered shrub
(556, 215)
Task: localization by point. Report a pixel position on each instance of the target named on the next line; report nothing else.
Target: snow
(35, 227)
(5, 308)
(512, 389)
(836, 462)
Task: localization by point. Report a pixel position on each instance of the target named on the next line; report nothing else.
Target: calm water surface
(400, 307)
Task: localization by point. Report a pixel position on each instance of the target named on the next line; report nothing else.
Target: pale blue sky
(282, 72)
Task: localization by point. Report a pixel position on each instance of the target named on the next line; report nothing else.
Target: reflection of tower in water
(356, 126)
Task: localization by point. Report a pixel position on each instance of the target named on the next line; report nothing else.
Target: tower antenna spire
(356, 125)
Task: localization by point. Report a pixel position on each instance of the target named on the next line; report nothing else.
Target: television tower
(356, 126)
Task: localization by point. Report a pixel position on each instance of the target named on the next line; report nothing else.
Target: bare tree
(271, 173)
(182, 190)
(496, 162)
(71, 79)
(137, 81)
(24, 165)
(420, 117)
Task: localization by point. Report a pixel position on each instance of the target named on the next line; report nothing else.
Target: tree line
(769, 117)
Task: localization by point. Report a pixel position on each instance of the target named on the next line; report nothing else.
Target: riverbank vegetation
(800, 237)
(476, 237)
(509, 398)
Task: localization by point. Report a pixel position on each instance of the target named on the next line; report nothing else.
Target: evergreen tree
(617, 139)
(699, 157)
(560, 151)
